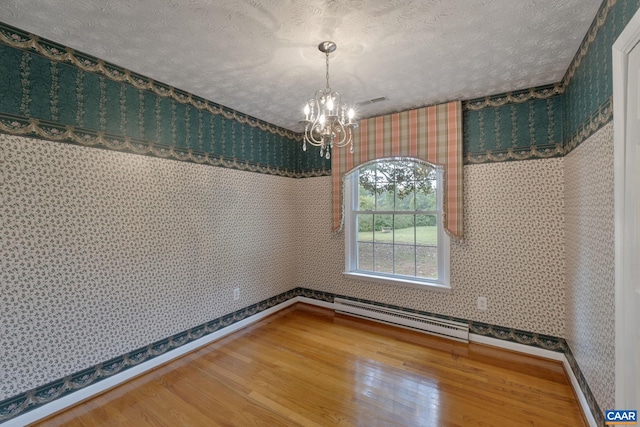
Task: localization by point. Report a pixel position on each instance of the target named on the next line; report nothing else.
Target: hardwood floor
(306, 366)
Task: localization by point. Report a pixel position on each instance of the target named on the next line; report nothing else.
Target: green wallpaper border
(532, 123)
(588, 81)
(17, 38)
(585, 92)
(518, 125)
(595, 121)
(517, 97)
(51, 131)
(55, 93)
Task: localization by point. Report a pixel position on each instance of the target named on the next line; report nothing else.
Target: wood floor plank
(307, 366)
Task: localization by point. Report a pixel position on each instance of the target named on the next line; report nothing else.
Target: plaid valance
(432, 134)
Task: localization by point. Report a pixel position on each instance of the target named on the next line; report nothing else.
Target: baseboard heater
(417, 322)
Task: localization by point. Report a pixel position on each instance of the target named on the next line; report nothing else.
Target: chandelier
(327, 123)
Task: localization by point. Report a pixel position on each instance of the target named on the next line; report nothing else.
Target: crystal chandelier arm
(313, 125)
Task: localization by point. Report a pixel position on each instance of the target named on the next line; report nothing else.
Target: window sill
(396, 281)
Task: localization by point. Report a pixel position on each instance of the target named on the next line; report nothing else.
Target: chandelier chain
(327, 62)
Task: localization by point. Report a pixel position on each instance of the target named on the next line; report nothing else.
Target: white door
(630, 226)
(627, 183)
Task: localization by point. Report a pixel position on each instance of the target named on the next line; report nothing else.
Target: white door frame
(625, 258)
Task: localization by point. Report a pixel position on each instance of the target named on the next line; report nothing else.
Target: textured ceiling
(260, 57)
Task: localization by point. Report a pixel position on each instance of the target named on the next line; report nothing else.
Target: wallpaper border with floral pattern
(54, 92)
(540, 122)
(582, 101)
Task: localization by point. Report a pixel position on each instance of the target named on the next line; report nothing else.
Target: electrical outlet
(482, 303)
(236, 294)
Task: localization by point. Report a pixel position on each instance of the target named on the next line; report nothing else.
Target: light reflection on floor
(395, 391)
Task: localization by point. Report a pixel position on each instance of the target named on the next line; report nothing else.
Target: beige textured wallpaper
(589, 227)
(104, 252)
(96, 241)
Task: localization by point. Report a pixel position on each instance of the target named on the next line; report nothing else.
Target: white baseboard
(312, 301)
(88, 392)
(514, 346)
(547, 354)
(579, 394)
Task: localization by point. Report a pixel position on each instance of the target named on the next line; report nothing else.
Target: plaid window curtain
(432, 134)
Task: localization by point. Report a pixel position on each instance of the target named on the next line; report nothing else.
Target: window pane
(426, 262)
(426, 199)
(385, 171)
(405, 187)
(365, 256)
(404, 230)
(385, 186)
(367, 175)
(384, 196)
(383, 257)
(426, 230)
(423, 171)
(405, 196)
(405, 170)
(366, 188)
(405, 258)
(365, 228)
(366, 200)
(391, 238)
(383, 228)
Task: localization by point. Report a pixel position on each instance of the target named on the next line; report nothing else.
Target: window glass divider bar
(397, 212)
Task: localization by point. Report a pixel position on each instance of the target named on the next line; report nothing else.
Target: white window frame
(351, 182)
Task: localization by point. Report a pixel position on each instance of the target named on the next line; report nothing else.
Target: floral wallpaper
(96, 242)
(589, 271)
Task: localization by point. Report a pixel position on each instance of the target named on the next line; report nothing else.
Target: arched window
(393, 223)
